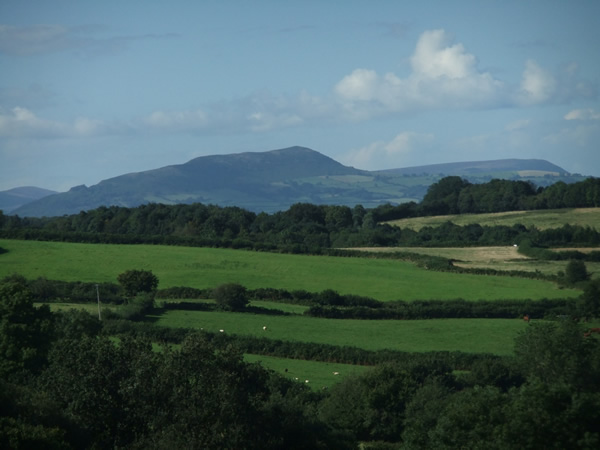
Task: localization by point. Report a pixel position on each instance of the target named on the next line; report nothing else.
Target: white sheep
(222, 331)
(265, 328)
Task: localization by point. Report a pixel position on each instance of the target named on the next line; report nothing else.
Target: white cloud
(443, 76)
(177, 120)
(583, 114)
(389, 155)
(434, 57)
(23, 123)
(537, 85)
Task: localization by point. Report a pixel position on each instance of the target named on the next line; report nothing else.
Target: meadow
(467, 335)
(540, 219)
(315, 374)
(382, 279)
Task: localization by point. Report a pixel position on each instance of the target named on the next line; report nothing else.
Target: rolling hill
(14, 198)
(273, 180)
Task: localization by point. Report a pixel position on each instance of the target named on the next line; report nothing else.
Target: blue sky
(91, 90)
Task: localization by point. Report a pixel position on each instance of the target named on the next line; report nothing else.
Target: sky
(91, 90)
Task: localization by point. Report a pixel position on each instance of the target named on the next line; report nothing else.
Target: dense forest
(70, 381)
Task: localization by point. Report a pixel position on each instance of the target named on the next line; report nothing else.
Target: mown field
(382, 279)
(497, 258)
(541, 219)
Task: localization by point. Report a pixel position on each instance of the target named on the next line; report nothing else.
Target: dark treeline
(454, 195)
(308, 228)
(304, 228)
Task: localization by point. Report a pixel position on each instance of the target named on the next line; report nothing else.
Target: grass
(91, 308)
(382, 279)
(541, 219)
(467, 335)
(497, 258)
(319, 374)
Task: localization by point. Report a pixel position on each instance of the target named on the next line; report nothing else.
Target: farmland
(382, 279)
(354, 336)
(467, 335)
(505, 258)
(540, 219)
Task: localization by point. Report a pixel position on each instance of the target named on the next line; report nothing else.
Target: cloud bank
(443, 75)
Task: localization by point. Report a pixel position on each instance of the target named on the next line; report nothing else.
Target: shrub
(231, 296)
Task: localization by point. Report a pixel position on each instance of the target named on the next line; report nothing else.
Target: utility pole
(98, 295)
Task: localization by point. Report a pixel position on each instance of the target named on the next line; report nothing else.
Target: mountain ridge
(273, 180)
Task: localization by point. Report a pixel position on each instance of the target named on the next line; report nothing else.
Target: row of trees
(455, 195)
(65, 384)
(306, 227)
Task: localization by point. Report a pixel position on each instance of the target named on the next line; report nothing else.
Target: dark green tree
(588, 304)
(576, 271)
(551, 415)
(136, 281)
(231, 296)
(25, 331)
(471, 418)
(558, 352)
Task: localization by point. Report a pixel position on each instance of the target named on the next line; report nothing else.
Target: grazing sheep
(222, 331)
(265, 328)
(336, 373)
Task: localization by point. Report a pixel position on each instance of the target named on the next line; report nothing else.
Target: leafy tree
(372, 406)
(422, 413)
(588, 304)
(576, 271)
(551, 415)
(558, 353)
(25, 331)
(135, 281)
(471, 418)
(231, 296)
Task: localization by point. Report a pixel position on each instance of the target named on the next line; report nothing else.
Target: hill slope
(14, 198)
(274, 180)
(483, 167)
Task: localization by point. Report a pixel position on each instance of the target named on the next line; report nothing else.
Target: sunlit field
(382, 279)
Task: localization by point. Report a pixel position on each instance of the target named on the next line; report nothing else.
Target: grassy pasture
(467, 335)
(382, 279)
(319, 374)
(541, 219)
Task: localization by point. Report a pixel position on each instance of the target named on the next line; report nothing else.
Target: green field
(319, 374)
(541, 219)
(466, 335)
(382, 279)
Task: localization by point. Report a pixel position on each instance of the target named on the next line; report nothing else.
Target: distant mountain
(274, 180)
(482, 167)
(14, 198)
